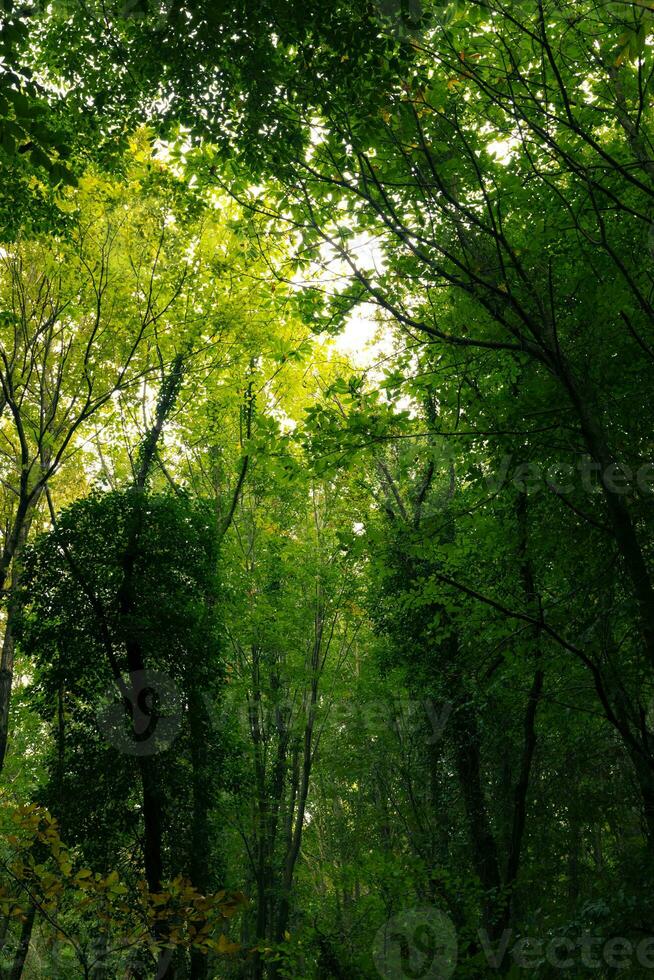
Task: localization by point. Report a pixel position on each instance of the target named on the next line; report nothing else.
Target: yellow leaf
(225, 946)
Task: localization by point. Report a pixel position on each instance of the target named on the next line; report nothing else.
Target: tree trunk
(7, 656)
(200, 837)
(622, 524)
(6, 680)
(529, 740)
(99, 969)
(484, 848)
(18, 965)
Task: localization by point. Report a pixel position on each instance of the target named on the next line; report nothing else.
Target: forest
(326, 489)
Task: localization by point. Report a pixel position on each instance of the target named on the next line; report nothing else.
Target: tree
(291, 629)
(498, 212)
(78, 632)
(475, 178)
(79, 328)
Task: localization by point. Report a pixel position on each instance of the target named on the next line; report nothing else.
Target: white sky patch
(334, 272)
(359, 335)
(503, 150)
(365, 339)
(286, 423)
(367, 254)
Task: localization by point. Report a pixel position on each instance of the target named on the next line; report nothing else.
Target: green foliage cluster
(368, 639)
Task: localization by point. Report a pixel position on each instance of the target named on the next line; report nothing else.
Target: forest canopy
(326, 489)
